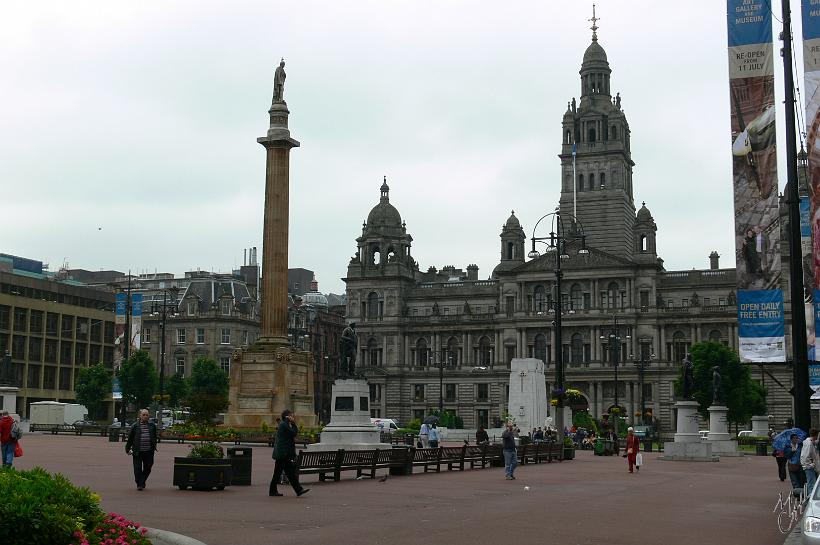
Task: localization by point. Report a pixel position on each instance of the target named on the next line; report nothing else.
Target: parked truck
(55, 413)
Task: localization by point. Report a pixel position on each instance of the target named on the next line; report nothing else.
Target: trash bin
(408, 440)
(241, 460)
(647, 445)
(114, 434)
(761, 448)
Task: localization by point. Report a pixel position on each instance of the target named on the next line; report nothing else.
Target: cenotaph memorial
(528, 393)
(270, 376)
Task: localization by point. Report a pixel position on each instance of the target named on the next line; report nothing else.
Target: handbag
(639, 459)
(794, 467)
(18, 450)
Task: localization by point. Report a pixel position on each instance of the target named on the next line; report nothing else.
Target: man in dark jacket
(284, 452)
(141, 444)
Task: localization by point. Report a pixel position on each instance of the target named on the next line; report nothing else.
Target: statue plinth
(719, 437)
(687, 446)
(267, 379)
(350, 427)
(8, 398)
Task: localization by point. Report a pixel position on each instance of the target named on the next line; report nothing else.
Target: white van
(387, 425)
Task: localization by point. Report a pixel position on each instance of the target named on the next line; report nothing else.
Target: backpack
(16, 432)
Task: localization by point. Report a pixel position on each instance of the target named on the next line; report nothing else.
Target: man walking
(284, 452)
(7, 440)
(424, 435)
(510, 455)
(632, 448)
(141, 444)
(808, 459)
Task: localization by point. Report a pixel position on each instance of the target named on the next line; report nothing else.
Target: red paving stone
(590, 500)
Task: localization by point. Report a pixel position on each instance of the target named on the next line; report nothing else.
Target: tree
(178, 390)
(138, 379)
(743, 396)
(209, 390)
(93, 387)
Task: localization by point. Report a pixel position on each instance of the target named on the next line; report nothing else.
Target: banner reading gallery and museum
(754, 168)
(811, 69)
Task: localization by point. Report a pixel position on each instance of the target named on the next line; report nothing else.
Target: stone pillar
(760, 426)
(278, 144)
(719, 438)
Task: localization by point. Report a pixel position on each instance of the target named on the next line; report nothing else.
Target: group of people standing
(800, 459)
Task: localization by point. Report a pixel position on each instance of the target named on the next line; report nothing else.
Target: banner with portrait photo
(811, 74)
(761, 325)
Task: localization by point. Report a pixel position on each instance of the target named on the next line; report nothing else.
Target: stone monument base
(350, 427)
(8, 398)
(719, 437)
(760, 426)
(266, 379)
(687, 446)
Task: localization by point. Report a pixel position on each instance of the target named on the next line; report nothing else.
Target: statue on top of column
(279, 82)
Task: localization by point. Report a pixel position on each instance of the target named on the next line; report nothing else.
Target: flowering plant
(113, 530)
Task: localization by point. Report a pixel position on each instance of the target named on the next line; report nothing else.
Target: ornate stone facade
(419, 330)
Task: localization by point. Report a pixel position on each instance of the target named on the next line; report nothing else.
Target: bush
(39, 508)
(206, 449)
(414, 425)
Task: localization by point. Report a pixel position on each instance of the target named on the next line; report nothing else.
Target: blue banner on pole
(814, 374)
(121, 305)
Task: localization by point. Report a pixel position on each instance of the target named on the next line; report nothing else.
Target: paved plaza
(590, 500)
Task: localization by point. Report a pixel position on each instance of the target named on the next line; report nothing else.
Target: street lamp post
(642, 363)
(557, 242)
(439, 361)
(614, 339)
(163, 310)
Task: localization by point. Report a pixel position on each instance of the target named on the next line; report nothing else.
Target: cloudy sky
(129, 129)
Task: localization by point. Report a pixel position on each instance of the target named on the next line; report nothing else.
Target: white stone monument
(719, 437)
(8, 398)
(687, 445)
(350, 427)
(528, 393)
(760, 426)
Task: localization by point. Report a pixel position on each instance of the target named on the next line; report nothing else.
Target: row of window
(481, 392)
(181, 366)
(54, 324)
(38, 349)
(55, 297)
(225, 336)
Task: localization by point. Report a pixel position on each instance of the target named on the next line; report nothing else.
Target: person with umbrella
(792, 453)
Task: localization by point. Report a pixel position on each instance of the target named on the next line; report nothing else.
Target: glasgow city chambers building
(447, 337)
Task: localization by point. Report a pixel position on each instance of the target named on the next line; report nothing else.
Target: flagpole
(574, 186)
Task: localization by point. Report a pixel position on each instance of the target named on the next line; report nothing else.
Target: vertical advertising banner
(121, 306)
(808, 274)
(811, 73)
(136, 321)
(754, 171)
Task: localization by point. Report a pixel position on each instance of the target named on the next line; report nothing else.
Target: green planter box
(202, 473)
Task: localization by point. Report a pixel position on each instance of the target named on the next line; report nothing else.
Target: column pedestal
(719, 437)
(760, 426)
(8, 399)
(687, 445)
(350, 427)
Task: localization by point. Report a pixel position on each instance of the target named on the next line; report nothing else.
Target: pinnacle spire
(594, 26)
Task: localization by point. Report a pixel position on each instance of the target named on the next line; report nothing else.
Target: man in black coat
(284, 452)
(141, 444)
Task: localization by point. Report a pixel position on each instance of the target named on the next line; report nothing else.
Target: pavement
(589, 500)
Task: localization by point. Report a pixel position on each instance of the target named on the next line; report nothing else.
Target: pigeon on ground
(383, 479)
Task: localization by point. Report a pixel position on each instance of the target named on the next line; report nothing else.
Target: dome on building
(595, 53)
(644, 215)
(384, 213)
(512, 222)
(313, 297)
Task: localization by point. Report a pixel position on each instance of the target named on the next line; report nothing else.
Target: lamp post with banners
(168, 308)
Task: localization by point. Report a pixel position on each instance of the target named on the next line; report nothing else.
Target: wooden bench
(429, 458)
(54, 428)
(321, 462)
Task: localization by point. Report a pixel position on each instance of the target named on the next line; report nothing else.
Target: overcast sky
(129, 130)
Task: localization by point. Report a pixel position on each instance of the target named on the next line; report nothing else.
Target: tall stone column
(278, 144)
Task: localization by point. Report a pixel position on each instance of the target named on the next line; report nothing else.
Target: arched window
(591, 181)
(577, 348)
(569, 141)
(485, 351)
(581, 182)
(375, 254)
(422, 354)
(373, 350)
(540, 351)
(679, 346)
(391, 254)
(614, 133)
(602, 179)
(714, 336)
(452, 352)
(612, 295)
(539, 299)
(373, 306)
(511, 250)
(576, 297)
(591, 134)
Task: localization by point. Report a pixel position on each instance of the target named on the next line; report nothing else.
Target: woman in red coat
(632, 448)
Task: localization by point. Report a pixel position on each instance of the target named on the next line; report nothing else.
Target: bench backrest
(317, 459)
(426, 455)
(451, 453)
(358, 457)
